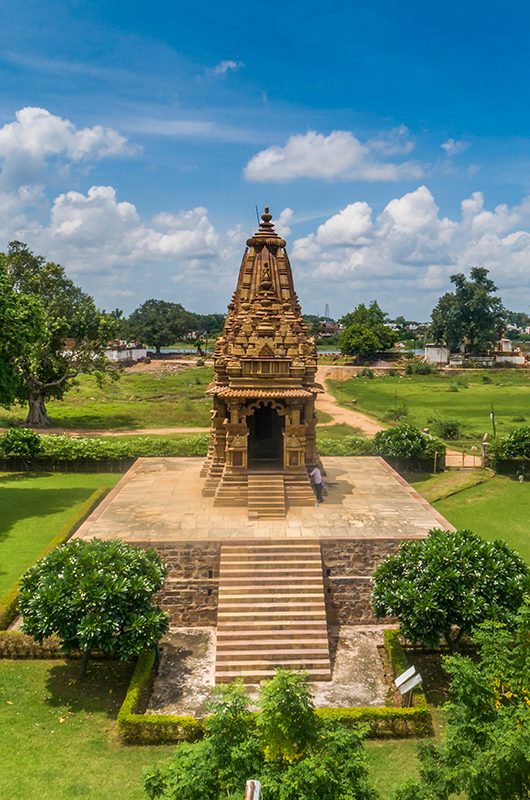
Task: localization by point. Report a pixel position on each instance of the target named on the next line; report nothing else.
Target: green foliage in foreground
(486, 752)
(448, 584)
(96, 596)
(295, 755)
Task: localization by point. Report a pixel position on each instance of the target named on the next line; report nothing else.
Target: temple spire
(266, 235)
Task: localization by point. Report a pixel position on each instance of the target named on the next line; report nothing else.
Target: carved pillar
(236, 437)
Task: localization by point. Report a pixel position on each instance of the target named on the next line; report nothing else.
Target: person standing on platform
(318, 483)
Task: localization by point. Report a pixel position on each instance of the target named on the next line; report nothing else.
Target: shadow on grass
(102, 690)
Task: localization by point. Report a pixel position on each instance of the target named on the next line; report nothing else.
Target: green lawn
(493, 506)
(448, 396)
(497, 509)
(135, 400)
(33, 508)
(58, 738)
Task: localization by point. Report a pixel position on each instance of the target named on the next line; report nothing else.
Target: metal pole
(253, 790)
(492, 416)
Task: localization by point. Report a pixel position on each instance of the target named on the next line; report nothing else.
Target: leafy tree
(486, 752)
(448, 584)
(301, 759)
(71, 337)
(96, 596)
(287, 722)
(22, 324)
(472, 315)
(365, 331)
(159, 323)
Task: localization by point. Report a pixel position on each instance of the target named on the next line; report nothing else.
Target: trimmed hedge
(347, 446)
(9, 602)
(62, 450)
(135, 727)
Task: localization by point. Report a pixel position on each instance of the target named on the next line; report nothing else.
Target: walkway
(369, 426)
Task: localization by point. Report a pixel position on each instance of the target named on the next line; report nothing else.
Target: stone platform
(160, 500)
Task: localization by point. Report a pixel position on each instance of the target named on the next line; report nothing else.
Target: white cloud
(410, 249)
(37, 134)
(36, 137)
(454, 147)
(224, 67)
(339, 156)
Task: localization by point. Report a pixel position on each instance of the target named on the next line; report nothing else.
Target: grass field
(33, 508)
(466, 397)
(493, 506)
(135, 400)
(58, 737)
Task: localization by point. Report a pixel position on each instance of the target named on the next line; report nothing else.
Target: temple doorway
(265, 441)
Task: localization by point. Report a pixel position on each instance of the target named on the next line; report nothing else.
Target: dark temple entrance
(265, 441)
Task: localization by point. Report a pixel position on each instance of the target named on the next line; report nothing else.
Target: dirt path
(368, 425)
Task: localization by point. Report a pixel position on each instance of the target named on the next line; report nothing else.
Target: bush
(447, 428)
(420, 368)
(397, 414)
(514, 445)
(407, 441)
(447, 584)
(20, 442)
(96, 596)
(347, 446)
(69, 448)
(366, 372)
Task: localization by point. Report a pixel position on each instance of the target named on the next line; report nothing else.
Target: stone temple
(263, 419)
(258, 573)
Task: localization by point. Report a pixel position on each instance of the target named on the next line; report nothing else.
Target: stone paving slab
(186, 675)
(160, 499)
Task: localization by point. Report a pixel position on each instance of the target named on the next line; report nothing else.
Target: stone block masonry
(191, 592)
(348, 568)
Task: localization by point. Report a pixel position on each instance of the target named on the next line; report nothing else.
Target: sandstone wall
(348, 567)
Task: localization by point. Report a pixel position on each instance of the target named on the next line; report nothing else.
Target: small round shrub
(447, 428)
(407, 441)
(20, 442)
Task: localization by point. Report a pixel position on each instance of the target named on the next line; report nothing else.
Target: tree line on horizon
(51, 330)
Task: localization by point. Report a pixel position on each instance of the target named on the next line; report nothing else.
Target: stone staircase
(298, 489)
(232, 489)
(266, 495)
(271, 611)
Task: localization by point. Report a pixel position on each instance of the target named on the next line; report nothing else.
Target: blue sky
(391, 140)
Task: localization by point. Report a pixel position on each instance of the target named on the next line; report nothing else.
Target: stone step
(254, 676)
(281, 591)
(284, 614)
(269, 581)
(274, 547)
(265, 661)
(308, 560)
(300, 645)
(287, 638)
(274, 624)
